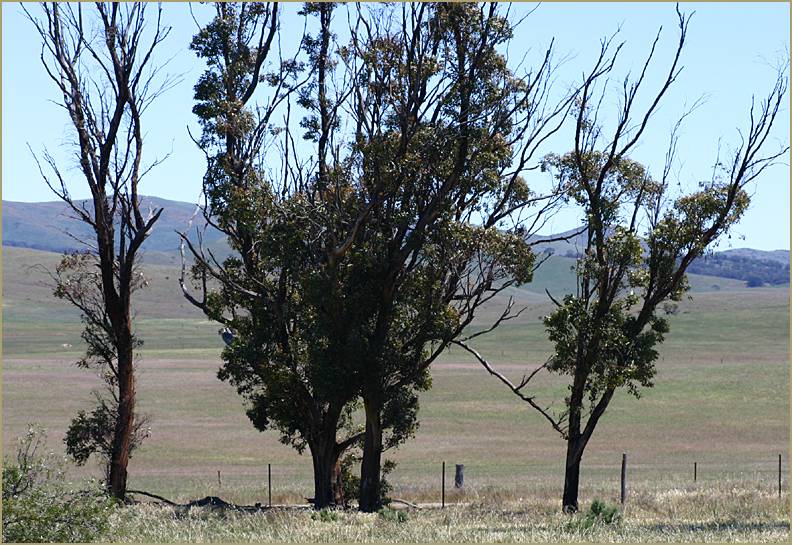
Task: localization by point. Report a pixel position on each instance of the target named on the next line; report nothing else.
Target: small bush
(599, 514)
(350, 479)
(40, 506)
(603, 513)
(326, 515)
(392, 515)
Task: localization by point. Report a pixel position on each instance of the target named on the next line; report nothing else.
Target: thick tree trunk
(571, 477)
(125, 422)
(328, 483)
(370, 468)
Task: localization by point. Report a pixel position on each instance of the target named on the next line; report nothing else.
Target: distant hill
(567, 243)
(49, 226)
(781, 256)
(755, 267)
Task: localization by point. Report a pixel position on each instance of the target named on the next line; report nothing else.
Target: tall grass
(729, 512)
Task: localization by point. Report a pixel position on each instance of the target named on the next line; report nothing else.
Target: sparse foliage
(101, 62)
(640, 240)
(39, 505)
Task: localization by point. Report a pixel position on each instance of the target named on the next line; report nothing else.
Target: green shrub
(39, 505)
(351, 480)
(326, 515)
(392, 515)
(599, 513)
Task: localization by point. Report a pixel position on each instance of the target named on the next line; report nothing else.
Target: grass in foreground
(726, 513)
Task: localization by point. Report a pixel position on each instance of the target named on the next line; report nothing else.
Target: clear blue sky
(731, 51)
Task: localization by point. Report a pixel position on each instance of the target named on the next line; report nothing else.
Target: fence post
(624, 478)
(219, 483)
(459, 476)
(269, 484)
(779, 475)
(442, 487)
(695, 471)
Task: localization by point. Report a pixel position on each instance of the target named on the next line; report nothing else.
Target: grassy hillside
(721, 395)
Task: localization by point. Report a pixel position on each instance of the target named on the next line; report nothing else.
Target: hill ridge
(46, 226)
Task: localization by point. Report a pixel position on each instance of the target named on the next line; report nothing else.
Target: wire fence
(442, 482)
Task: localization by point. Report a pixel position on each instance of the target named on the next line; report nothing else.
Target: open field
(721, 399)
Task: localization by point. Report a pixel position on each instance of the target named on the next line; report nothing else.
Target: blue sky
(730, 55)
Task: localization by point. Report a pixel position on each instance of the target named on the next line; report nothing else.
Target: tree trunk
(337, 483)
(125, 421)
(370, 467)
(571, 477)
(328, 484)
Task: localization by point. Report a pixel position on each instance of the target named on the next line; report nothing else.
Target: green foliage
(393, 515)
(326, 515)
(351, 479)
(351, 277)
(600, 513)
(92, 433)
(607, 333)
(39, 505)
(78, 281)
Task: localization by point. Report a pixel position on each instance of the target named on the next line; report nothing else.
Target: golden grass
(729, 512)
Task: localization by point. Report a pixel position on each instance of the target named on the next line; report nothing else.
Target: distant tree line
(755, 272)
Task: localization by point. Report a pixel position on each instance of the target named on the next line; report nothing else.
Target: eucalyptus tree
(282, 306)
(102, 64)
(445, 132)
(358, 261)
(641, 235)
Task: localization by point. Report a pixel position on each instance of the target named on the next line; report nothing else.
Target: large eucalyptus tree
(361, 252)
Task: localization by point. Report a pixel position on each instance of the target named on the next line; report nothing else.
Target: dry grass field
(721, 399)
(728, 512)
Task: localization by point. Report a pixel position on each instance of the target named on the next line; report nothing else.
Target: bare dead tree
(102, 62)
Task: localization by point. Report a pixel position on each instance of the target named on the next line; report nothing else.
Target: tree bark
(337, 483)
(370, 468)
(328, 482)
(124, 427)
(571, 477)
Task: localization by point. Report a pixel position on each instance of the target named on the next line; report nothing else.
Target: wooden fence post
(219, 483)
(269, 484)
(779, 475)
(695, 471)
(442, 487)
(459, 476)
(624, 478)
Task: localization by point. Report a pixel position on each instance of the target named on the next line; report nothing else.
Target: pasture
(721, 399)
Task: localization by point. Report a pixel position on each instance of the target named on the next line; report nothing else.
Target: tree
(102, 65)
(272, 295)
(445, 132)
(640, 240)
(355, 266)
